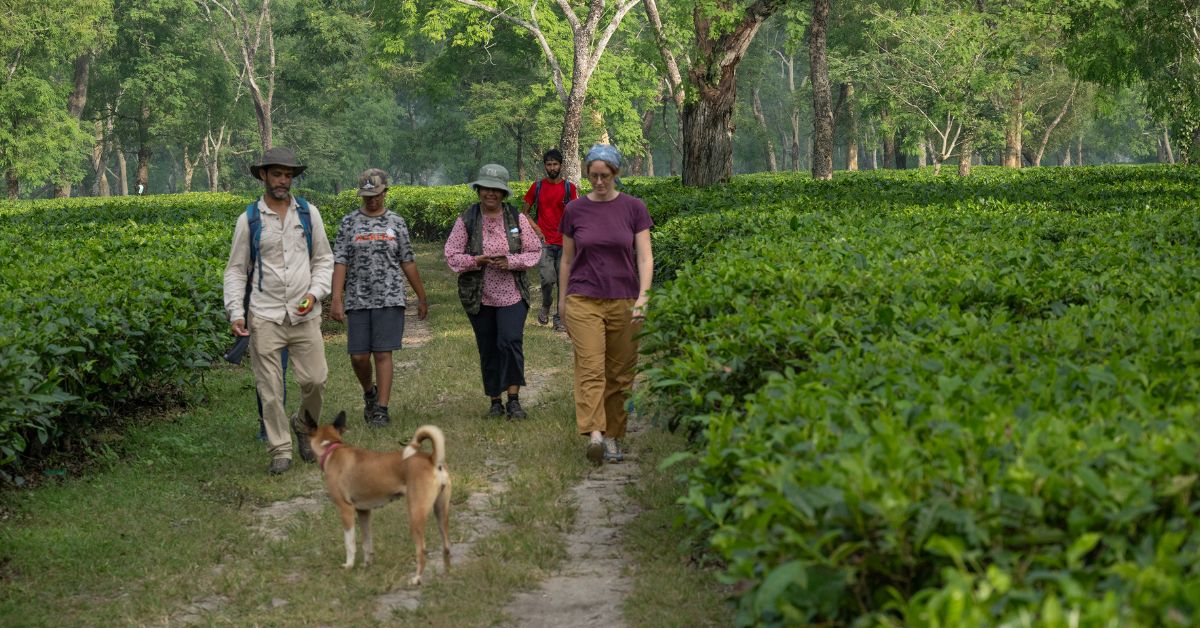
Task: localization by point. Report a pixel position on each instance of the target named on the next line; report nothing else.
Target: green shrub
(968, 413)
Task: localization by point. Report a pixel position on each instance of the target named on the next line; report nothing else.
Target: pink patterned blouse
(499, 286)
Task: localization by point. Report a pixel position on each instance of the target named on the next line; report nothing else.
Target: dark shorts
(375, 330)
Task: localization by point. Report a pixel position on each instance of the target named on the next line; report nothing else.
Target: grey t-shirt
(372, 249)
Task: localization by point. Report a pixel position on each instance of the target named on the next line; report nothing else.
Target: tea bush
(919, 410)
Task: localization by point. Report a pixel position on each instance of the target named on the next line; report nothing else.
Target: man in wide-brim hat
(282, 256)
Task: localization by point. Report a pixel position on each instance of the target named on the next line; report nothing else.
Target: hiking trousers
(306, 352)
(603, 332)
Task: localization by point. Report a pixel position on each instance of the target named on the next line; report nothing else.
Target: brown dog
(359, 480)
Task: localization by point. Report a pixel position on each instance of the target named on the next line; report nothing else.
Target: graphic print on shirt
(373, 249)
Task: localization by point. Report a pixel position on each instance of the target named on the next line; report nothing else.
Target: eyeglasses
(600, 176)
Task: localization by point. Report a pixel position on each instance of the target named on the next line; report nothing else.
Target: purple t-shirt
(603, 232)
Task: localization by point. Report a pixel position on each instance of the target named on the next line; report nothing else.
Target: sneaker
(279, 465)
(543, 316)
(379, 418)
(370, 402)
(497, 409)
(595, 452)
(514, 409)
(303, 447)
(612, 450)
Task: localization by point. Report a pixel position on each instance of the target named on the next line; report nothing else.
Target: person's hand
(422, 310)
(500, 262)
(482, 260)
(338, 311)
(639, 308)
(306, 304)
(239, 327)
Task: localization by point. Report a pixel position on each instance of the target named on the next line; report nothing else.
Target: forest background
(113, 97)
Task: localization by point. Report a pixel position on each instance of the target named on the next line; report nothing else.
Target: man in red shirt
(548, 199)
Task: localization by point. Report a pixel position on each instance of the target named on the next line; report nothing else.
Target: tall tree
(822, 167)
(40, 140)
(589, 34)
(245, 35)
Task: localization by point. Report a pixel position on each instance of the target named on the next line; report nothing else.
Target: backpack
(254, 221)
(537, 196)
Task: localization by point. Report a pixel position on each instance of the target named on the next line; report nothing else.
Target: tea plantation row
(939, 401)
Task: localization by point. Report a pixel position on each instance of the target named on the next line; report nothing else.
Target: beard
(280, 192)
(553, 174)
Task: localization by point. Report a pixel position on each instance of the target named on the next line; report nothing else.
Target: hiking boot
(370, 402)
(303, 447)
(279, 465)
(497, 409)
(543, 315)
(595, 452)
(612, 450)
(514, 410)
(559, 327)
(379, 418)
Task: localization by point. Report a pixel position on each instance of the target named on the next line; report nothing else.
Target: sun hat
(492, 176)
(277, 156)
(372, 182)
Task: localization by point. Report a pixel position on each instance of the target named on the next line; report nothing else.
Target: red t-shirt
(550, 207)
(603, 233)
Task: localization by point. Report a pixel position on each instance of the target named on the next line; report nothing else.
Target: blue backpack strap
(567, 192)
(305, 221)
(254, 222)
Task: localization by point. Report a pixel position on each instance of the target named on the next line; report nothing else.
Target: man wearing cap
(372, 255)
(286, 256)
(548, 198)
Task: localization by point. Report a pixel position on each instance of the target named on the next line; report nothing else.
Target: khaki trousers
(602, 331)
(306, 351)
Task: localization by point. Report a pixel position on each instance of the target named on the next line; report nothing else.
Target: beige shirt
(287, 271)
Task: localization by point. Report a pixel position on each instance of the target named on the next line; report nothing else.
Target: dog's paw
(414, 581)
(347, 565)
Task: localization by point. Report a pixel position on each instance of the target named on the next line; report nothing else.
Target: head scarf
(606, 153)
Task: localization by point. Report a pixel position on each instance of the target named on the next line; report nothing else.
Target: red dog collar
(325, 456)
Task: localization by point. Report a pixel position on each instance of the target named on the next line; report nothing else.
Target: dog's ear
(309, 422)
(340, 422)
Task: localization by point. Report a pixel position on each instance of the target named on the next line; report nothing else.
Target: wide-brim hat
(277, 156)
(492, 176)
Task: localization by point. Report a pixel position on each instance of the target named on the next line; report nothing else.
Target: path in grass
(592, 587)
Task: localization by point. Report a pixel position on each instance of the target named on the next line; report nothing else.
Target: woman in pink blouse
(490, 246)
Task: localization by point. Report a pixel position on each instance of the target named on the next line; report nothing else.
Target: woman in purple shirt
(606, 269)
(490, 246)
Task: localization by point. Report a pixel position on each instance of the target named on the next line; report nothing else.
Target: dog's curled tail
(433, 434)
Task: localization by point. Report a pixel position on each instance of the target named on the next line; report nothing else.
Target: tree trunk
(1037, 157)
(708, 120)
(937, 163)
(964, 156)
(144, 153)
(874, 158)
(708, 137)
(762, 123)
(1164, 145)
(1079, 152)
(100, 161)
(922, 154)
(1015, 128)
(75, 104)
(889, 139)
(901, 156)
(189, 168)
(122, 172)
(851, 126)
(638, 163)
(13, 183)
(822, 155)
(568, 139)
